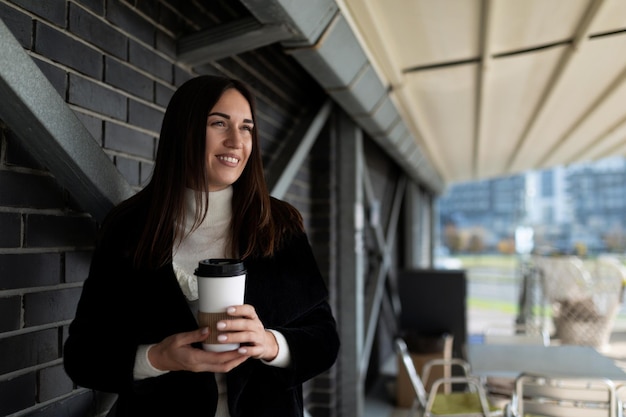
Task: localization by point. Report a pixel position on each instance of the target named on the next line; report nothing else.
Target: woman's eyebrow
(226, 116)
(216, 113)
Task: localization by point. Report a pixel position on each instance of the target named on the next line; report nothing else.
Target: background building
(580, 208)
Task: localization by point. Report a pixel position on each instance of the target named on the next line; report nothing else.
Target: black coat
(121, 308)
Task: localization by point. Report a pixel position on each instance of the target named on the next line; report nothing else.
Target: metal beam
(229, 39)
(350, 259)
(375, 299)
(52, 134)
(306, 19)
(285, 165)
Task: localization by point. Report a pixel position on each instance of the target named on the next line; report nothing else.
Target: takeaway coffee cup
(221, 284)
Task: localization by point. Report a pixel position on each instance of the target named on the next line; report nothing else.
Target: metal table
(508, 361)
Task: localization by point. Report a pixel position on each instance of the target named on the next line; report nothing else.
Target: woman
(135, 332)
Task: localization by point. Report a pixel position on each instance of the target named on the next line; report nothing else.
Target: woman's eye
(248, 128)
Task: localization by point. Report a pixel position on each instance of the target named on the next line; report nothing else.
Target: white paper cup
(221, 284)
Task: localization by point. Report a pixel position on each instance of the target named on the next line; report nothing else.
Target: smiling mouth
(230, 159)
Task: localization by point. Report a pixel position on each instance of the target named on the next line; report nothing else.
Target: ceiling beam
(306, 19)
(481, 84)
(580, 37)
(229, 39)
(51, 132)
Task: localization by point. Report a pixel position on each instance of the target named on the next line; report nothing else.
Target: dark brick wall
(43, 243)
(114, 63)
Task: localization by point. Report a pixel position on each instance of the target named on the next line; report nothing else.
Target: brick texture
(95, 31)
(77, 266)
(50, 306)
(17, 393)
(83, 93)
(10, 230)
(29, 270)
(128, 79)
(20, 25)
(149, 60)
(58, 231)
(53, 382)
(27, 190)
(123, 139)
(118, 13)
(28, 350)
(163, 95)
(10, 313)
(58, 46)
(53, 11)
(96, 6)
(145, 116)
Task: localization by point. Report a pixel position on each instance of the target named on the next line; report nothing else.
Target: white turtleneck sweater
(209, 240)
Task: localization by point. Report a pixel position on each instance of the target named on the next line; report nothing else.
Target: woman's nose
(234, 139)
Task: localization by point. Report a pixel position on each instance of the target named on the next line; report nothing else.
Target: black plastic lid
(220, 267)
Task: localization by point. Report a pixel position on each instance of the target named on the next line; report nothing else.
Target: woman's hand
(175, 353)
(246, 328)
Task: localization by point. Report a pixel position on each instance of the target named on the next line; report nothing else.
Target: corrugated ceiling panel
(445, 104)
(612, 17)
(583, 81)
(424, 32)
(612, 144)
(531, 23)
(590, 134)
(514, 87)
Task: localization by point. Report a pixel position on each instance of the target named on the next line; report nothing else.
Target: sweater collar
(220, 207)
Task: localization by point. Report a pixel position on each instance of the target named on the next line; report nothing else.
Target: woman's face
(228, 139)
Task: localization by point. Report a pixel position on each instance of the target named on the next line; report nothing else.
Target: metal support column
(413, 230)
(420, 228)
(350, 267)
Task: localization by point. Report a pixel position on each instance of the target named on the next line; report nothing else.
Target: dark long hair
(181, 161)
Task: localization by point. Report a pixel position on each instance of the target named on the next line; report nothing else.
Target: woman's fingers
(175, 353)
(246, 328)
(244, 310)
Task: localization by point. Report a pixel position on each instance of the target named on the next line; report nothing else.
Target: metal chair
(470, 403)
(540, 395)
(620, 392)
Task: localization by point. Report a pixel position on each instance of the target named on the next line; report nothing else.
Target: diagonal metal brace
(53, 134)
